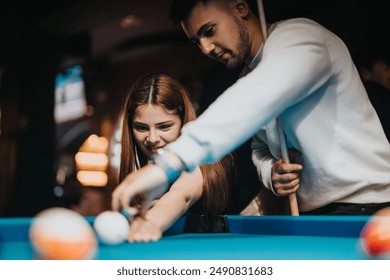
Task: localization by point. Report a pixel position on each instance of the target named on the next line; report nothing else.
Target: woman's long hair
(162, 90)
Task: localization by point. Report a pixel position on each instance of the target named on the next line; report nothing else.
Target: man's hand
(150, 181)
(286, 176)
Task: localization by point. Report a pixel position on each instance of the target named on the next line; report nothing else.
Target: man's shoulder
(295, 22)
(292, 31)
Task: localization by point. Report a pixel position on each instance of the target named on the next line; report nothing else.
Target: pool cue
(283, 146)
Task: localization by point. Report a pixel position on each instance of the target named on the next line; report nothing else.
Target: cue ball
(375, 235)
(62, 234)
(112, 228)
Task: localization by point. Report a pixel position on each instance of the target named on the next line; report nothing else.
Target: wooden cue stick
(283, 146)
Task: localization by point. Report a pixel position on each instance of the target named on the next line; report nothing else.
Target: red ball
(375, 235)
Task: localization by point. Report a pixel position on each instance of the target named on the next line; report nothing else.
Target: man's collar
(256, 59)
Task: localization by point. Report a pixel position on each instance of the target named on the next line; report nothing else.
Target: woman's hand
(143, 230)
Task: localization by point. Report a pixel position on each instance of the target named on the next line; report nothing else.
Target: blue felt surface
(271, 237)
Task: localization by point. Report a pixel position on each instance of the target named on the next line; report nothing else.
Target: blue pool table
(247, 237)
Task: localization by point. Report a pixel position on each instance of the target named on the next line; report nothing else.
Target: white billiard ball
(111, 227)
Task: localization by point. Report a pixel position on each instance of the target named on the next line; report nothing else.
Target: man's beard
(237, 59)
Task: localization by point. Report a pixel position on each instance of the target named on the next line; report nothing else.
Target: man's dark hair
(180, 9)
(367, 59)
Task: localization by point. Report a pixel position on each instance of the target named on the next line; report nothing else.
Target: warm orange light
(92, 178)
(95, 144)
(91, 161)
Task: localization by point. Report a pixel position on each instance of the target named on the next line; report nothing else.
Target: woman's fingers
(142, 230)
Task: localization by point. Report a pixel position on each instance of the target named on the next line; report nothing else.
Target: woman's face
(153, 128)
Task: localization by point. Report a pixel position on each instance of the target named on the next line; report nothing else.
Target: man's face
(219, 32)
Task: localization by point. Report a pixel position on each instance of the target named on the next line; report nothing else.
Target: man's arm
(295, 63)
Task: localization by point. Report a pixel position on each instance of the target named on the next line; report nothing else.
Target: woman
(156, 108)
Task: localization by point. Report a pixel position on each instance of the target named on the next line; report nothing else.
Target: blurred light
(95, 144)
(115, 159)
(92, 178)
(116, 146)
(118, 133)
(70, 101)
(58, 191)
(89, 111)
(129, 21)
(93, 141)
(91, 161)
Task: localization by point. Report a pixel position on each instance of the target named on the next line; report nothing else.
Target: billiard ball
(375, 235)
(111, 227)
(62, 234)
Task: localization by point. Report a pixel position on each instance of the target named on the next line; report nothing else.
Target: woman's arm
(180, 197)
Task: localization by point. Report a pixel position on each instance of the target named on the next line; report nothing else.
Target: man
(304, 75)
(374, 70)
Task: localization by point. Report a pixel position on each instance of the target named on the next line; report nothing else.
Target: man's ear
(241, 7)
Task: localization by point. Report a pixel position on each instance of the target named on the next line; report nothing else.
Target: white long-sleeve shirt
(306, 77)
